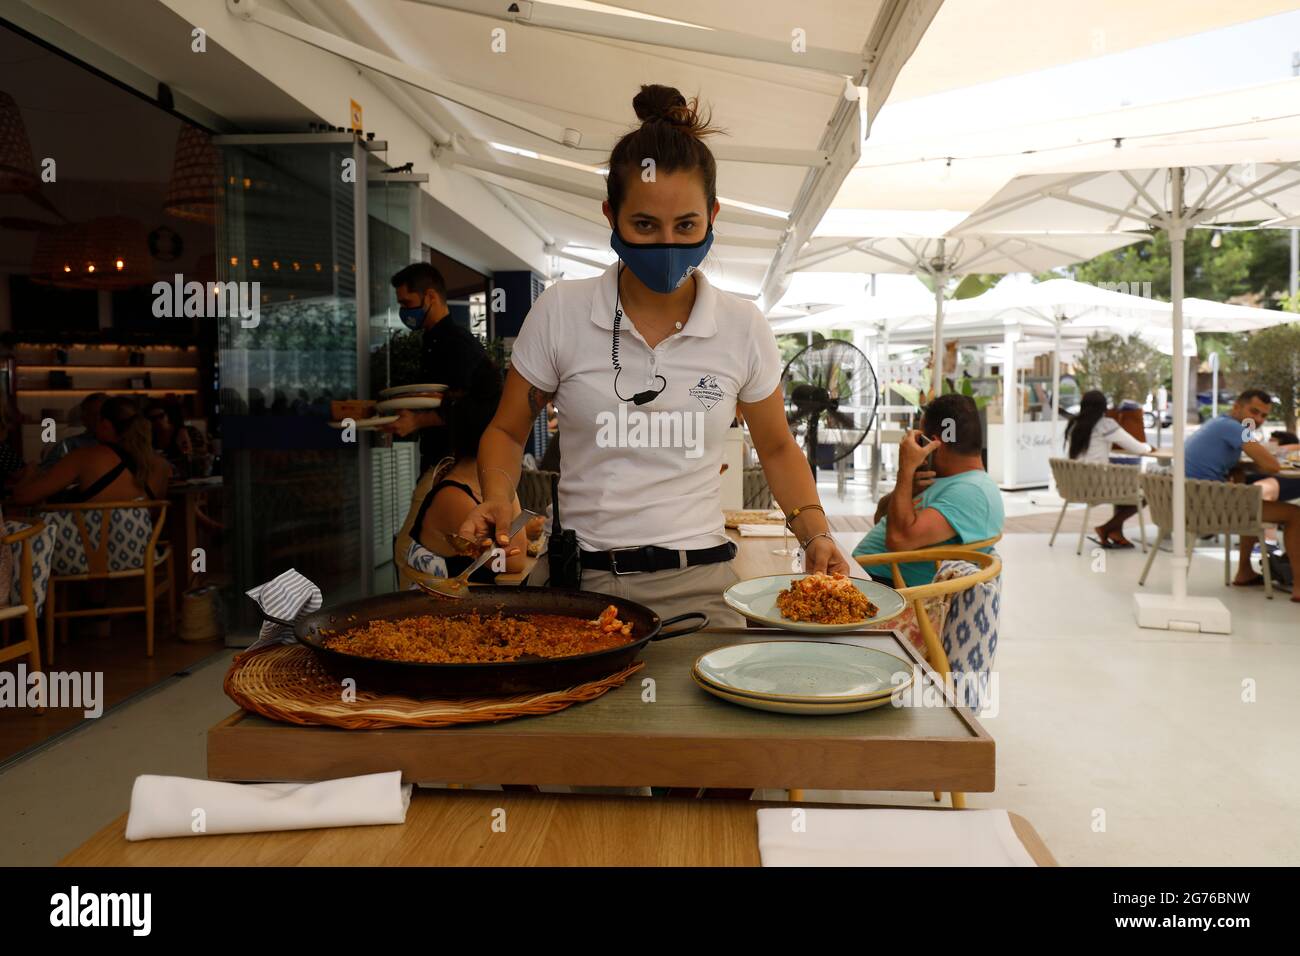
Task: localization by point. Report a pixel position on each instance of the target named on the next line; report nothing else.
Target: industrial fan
(830, 400)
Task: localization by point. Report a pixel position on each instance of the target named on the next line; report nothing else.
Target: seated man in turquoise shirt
(960, 505)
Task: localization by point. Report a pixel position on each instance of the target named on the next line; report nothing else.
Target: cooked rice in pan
(825, 599)
(477, 639)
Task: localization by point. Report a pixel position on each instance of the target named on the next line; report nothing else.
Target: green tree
(1270, 359)
(1121, 368)
(1246, 262)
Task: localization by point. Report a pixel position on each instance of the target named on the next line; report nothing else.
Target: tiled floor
(1122, 746)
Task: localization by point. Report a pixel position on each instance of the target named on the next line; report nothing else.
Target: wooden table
(454, 828)
(1166, 456)
(683, 737)
(755, 557)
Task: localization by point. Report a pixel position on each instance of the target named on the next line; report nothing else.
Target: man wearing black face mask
(450, 356)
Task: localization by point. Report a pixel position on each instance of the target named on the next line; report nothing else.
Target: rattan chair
(755, 491)
(157, 577)
(30, 645)
(1088, 484)
(1212, 507)
(990, 567)
(535, 489)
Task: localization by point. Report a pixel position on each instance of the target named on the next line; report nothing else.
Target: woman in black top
(455, 493)
(121, 466)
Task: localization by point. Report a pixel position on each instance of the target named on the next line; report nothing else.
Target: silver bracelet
(819, 534)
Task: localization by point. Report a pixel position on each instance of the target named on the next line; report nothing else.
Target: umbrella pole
(1056, 389)
(1177, 237)
(1179, 611)
(936, 372)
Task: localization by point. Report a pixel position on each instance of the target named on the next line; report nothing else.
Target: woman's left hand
(823, 555)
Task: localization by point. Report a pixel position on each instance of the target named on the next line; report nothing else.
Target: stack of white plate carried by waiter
(417, 398)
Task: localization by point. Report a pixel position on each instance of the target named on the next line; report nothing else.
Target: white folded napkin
(180, 806)
(762, 531)
(884, 838)
(287, 596)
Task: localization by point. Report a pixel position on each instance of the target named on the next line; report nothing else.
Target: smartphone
(922, 440)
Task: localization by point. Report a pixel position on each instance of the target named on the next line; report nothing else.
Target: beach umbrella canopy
(1198, 186)
(942, 257)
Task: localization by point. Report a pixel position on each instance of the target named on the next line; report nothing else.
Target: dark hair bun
(656, 102)
(665, 104)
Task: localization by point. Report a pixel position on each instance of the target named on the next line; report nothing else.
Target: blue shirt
(969, 501)
(1214, 449)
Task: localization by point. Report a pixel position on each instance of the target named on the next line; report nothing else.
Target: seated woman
(1089, 436)
(454, 494)
(122, 466)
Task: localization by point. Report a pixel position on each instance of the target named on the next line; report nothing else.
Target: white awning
(978, 41)
(442, 81)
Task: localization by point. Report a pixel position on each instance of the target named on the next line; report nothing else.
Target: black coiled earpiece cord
(640, 398)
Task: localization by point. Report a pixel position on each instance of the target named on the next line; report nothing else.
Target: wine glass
(785, 548)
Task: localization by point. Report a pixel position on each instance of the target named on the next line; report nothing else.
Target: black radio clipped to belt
(562, 553)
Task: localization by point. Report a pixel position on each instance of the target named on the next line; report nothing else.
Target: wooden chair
(30, 645)
(97, 563)
(1088, 484)
(990, 566)
(1212, 507)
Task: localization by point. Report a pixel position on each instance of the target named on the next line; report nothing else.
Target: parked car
(1226, 398)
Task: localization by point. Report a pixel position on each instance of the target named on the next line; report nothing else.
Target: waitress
(647, 365)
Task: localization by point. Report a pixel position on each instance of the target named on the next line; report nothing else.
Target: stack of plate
(417, 398)
(802, 677)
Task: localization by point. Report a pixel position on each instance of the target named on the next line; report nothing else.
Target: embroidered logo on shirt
(707, 391)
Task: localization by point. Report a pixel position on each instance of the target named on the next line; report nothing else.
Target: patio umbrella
(1203, 315)
(942, 257)
(1060, 306)
(1174, 198)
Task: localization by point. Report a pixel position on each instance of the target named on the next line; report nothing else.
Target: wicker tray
(285, 682)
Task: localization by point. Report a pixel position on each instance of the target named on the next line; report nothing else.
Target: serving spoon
(458, 587)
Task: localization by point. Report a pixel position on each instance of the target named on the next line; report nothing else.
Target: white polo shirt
(644, 475)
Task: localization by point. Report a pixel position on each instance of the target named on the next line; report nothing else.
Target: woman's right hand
(490, 521)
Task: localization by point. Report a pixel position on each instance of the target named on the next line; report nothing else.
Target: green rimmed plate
(790, 706)
(756, 599)
(804, 672)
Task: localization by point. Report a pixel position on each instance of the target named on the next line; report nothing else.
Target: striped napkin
(288, 597)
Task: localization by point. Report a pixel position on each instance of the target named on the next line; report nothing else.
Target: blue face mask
(662, 266)
(412, 318)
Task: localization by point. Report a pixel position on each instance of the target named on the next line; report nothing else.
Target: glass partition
(297, 493)
(392, 204)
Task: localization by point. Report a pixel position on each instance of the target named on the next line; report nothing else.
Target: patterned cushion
(42, 555)
(129, 533)
(970, 631)
(906, 622)
(421, 559)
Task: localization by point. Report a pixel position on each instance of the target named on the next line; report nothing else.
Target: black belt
(651, 558)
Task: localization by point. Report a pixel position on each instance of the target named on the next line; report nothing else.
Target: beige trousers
(667, 593)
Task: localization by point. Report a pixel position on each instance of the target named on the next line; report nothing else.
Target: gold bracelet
(789, 519)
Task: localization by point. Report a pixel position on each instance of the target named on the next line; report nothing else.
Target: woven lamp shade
(17, 167)
(196, 174)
